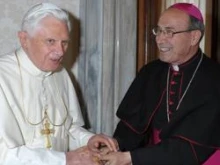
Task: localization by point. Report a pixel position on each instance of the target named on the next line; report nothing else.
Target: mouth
(56, 60)
(56, 57)
(164, 49)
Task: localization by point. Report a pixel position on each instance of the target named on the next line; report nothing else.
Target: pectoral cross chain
(47, 131)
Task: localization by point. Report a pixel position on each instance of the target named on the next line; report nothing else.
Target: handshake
(100, 150)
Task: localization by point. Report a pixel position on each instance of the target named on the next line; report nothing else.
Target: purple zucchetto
(190, 9)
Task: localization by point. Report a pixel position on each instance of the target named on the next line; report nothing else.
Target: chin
(57, 68)
(162, 58)
(51, 69)
(165, 57)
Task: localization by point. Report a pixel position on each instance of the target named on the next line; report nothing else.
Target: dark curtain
(148, 15)
(215, 46)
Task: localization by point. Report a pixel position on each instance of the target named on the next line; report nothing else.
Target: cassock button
(172, 82)
(171, 103)
(176, 73)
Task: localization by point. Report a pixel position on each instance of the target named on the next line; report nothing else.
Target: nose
(160, 38)
(60, 49)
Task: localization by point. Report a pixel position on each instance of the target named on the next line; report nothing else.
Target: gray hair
(35, 14)
(197, 25)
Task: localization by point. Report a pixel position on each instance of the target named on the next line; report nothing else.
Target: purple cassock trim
(214, 159)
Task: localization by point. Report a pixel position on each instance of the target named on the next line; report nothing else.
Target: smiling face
(182, 46)
(47, 44)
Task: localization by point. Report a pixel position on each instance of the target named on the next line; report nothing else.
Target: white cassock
(25, 93)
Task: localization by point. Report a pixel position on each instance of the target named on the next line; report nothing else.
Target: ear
(23, 38)
(196, 35)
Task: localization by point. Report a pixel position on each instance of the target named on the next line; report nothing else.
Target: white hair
(35, 14)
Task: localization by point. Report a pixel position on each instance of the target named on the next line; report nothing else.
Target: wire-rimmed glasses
(168, 32)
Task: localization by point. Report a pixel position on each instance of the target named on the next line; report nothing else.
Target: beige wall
(11, 13)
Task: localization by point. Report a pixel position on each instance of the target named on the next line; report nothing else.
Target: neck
(188, 58)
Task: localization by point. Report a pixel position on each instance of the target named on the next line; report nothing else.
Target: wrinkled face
(182, 46)
(47, 44)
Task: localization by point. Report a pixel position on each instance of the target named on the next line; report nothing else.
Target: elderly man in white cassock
(40, 121)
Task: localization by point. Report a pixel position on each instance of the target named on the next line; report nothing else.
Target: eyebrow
(166, 27)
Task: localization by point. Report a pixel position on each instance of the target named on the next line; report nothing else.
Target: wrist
(127, 157)
(116, 144)
(67, 158)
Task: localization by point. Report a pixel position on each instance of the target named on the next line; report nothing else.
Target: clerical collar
(175, 68)
(181, 67)
(28, 65)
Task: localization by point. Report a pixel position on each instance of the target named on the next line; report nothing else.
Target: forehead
(50, 26)
(173, 18)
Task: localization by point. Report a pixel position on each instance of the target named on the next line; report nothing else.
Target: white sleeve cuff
(26, 156)
(79, 137)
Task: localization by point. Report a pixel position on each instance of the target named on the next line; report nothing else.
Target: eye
(50, 41)
(169, 31)
(65, 43)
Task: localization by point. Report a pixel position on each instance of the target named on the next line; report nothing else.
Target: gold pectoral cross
(47, 131)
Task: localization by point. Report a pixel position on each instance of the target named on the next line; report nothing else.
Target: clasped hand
(106, 151)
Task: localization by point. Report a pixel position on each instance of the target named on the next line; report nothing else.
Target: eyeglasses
(168, 32)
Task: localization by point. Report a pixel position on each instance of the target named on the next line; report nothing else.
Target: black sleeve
(173, 151)
(127, 139)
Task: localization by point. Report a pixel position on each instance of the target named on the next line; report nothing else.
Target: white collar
(175, 68)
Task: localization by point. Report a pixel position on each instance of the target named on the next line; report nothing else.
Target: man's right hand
(100, 140)
(81, 156)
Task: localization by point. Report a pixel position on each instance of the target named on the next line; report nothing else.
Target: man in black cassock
(171, 113)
